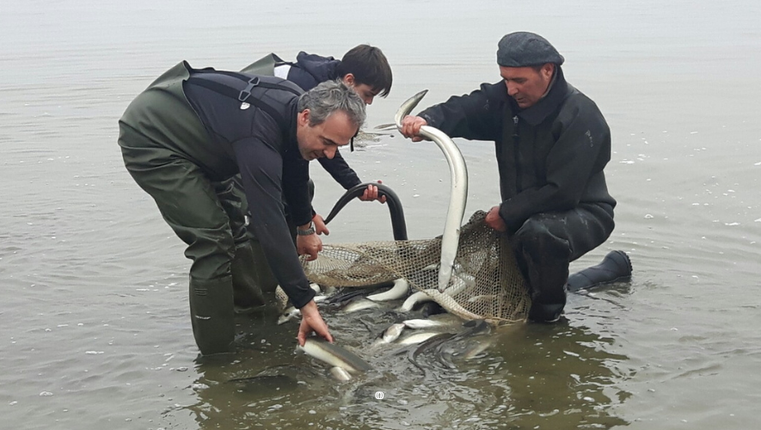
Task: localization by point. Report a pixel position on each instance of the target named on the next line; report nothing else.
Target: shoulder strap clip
(246, 92)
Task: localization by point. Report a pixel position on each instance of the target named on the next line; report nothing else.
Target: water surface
(95, 330)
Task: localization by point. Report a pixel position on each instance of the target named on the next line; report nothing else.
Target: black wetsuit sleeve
(296, 189)
(340, 171)
(476, 116)
(261, 168)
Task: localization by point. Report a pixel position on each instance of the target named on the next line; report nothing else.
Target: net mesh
(486, 282)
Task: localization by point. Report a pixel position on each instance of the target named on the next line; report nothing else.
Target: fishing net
(486, 282)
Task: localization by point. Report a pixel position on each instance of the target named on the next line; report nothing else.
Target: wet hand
(319, 225)
(411, 127)
(495, 221)
(371, 193)
(309, 245)
(311, 321)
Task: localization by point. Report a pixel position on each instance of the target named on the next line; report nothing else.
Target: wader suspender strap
(244, 96)
(257, 82)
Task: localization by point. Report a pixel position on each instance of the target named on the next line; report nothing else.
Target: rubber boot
(265, 279)
(616, 266)
(545, 313)
(211, 314)
(247, 294)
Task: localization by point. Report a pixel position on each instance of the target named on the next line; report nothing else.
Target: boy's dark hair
(369, 66)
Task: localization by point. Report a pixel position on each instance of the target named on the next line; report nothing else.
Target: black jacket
(256, 137)
(310, 69)
(307, 72)
(550, 156)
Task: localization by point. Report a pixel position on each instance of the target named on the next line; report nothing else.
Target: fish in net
(486, 282)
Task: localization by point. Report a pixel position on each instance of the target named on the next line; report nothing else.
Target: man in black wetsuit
(194, 128)
(552, 144)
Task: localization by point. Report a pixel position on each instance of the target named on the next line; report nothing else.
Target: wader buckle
(246, 93)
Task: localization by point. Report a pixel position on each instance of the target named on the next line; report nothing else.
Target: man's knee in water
(543, 257)
(535, 239)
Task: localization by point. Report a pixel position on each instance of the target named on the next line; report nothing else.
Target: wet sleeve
(296, 189)
(475, 116)
(261, 172)
(340, 171)
(583, 137)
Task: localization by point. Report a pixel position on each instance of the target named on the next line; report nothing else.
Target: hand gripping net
(486, 281)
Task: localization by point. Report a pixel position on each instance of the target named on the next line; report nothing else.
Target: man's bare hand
(495, 221)
(309, 245)
(371, 193)
(311, 321)
(411, 127)
(319, 225)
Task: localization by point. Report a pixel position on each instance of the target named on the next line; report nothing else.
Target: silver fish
(335, 355)
(417, 324)
(468, 343)
(387, 126)
(444, 299)
(413, 299)
(389, 335)
(475, 349)
(293, 313)
(289, 314)
(460, 283)
(283, 300)
(483, 298)
(361, 304)
(417, 338)
(340, 373)
(393, 332)
(400, 289)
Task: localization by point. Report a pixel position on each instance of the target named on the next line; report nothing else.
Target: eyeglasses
(351, 143)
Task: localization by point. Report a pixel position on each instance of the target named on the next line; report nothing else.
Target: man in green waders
(195, 128)
(366, 70)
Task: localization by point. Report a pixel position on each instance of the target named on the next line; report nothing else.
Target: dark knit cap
(524, 49)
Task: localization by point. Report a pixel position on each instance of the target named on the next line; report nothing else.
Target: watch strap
(306, 232)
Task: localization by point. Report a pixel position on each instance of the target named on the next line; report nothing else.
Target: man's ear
(303, 117)
(349, 79)
(548, 69)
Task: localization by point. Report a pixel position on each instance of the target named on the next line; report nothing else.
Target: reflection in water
(528, 376)
(562, 377)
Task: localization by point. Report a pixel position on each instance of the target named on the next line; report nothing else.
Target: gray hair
(331, 96)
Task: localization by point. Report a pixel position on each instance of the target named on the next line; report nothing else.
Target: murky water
(95, 330)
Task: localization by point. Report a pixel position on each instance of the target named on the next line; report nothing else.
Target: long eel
(459, 188)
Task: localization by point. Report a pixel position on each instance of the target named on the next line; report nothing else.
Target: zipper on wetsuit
(516, 154)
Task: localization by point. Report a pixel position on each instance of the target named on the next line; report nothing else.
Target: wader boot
(616, 266)
(546, 275)
(247, 294)
(545, 245)
(264, 276)
(211, 313)
(542, 253)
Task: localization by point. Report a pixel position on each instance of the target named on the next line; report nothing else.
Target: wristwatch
(306, 232)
